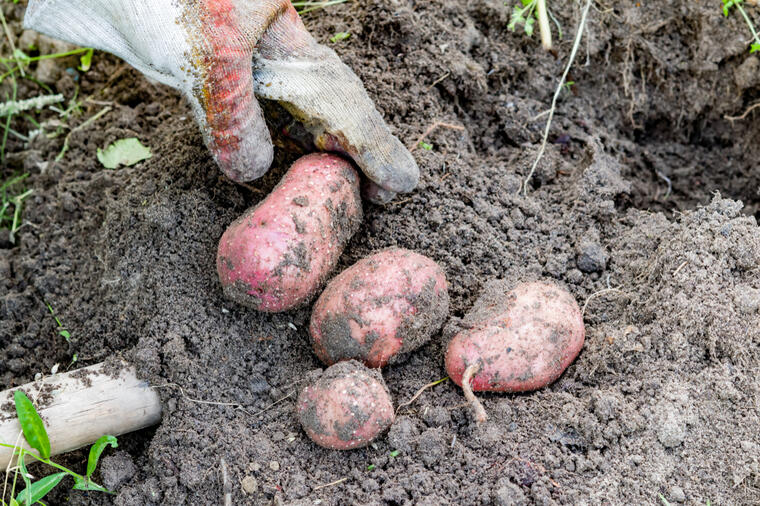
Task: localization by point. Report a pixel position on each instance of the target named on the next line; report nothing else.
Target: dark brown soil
(644, 207)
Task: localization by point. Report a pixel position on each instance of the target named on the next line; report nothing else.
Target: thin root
(419, 392)
(430, 130)
(478, 410)
(553, 108)
(235, 405)
(746, 113)
(251, 188)
(336, 482)
(683, 264)
(597, 294)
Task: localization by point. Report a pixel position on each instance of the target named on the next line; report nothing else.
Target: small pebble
(677, 494)
(250, 485)
(274, 465)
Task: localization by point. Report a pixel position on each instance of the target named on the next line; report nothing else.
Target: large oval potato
(379, 309)
(347, 407)
(519, 341)
(280, 252)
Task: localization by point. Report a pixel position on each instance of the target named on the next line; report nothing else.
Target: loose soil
(644, 207)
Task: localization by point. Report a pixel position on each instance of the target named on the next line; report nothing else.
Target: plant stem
(749, 22)
(18, 203)
(576, 44)
(10, 41)
(23, 451)
(47, 56)
(8, 119)
(543, 24)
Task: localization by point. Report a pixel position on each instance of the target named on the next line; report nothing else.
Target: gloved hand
(220, 53)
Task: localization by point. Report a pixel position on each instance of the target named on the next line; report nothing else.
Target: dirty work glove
(220, 53)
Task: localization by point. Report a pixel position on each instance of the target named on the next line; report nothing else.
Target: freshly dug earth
(644, 207)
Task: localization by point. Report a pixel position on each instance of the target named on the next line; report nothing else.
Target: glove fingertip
(376, 194)
(393, 169)
(246, 164)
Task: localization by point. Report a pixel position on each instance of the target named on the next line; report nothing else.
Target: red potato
(380, 309)
(279, 253)
(516, 341)
(347, 407)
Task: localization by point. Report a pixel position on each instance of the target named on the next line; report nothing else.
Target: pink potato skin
(347, 407)
(379, 309)
(525, 341)
(280, 252)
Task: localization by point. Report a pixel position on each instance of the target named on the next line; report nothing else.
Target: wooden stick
(80, 406)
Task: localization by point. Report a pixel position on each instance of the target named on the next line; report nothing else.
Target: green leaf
(86, 60)
(123, 152)
(65, 333)
(371, 467)
(529, 26)
(39, 489)
(424, 145)
(83, 483)
(755, 47)
(97, 450)
(516, 19)
(395, 453)
(339, 36)
(31, 424)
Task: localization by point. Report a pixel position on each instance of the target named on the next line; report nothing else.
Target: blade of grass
(31, 424)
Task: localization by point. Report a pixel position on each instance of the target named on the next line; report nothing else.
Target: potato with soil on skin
(347, 407)
(516, 340)
(380, 309)
(280, 252)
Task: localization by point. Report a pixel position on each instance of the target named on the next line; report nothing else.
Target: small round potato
(520, 341)
(278, 254)
(380, 309)
(347, 407)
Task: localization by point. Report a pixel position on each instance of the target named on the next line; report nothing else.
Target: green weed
(14, 68)
(339, 36)
(727, 5)
(12, 195)
(36, 436)
(61, 329)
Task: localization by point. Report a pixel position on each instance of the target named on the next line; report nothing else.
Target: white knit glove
(220, 53)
